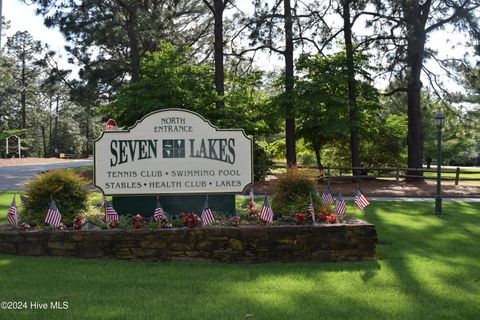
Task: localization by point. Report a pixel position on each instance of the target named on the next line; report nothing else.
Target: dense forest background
(359, 81)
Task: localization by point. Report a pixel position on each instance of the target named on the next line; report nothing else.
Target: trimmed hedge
(66, 187)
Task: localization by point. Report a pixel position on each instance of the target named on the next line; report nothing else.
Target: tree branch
(210, 7)
(394, 91)
(330, 39)
(303, 38)
(458, 11)
(262, 47)
(379, 15)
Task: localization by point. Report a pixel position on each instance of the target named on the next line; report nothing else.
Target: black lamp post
(439, 120)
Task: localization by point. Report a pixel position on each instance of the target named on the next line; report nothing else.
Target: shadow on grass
(99, 289)
(433, 258)
(427, 269)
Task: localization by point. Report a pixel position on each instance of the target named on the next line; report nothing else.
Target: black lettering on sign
(113, 151)
(165, 184)
(231, 148)
(228, 183)
(122, 174)
(211, 147)
(123, 185)
(214, 149)
(124, 151)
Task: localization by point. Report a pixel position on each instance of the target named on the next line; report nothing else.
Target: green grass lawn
(427, 268)
(471, 174)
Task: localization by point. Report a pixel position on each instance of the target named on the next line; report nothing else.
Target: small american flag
(266, 214)
(251, 195)
(110, 213)
(12, 215)
(360, 200)
(311, 209)
(159, 215)
(340, 206)
(327, 197)
(53, 218)
(207, 214)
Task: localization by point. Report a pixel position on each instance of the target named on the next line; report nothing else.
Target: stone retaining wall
(245, 244)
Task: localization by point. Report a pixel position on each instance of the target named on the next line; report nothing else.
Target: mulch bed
(386, 188)
(374, 187)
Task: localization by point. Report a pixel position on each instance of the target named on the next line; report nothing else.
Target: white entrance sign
(173, 151)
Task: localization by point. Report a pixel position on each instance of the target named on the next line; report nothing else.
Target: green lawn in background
(471, 174)
(5, 202)
(242, 202)
(427, 268)
(7, 196)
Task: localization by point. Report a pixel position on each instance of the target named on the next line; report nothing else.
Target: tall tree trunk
(316, 149)
(132, 32)
(44, 142)
(415, 18)
(87, 132)
(219, 67)
(217, 10)
(429, 160)
(352, 88)
(415, 129)
(289, 85)
(55, 132)
(23, 97)
(50, 139)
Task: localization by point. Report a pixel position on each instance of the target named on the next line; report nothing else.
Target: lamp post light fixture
(439, 121)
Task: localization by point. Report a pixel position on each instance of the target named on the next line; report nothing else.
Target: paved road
(14, 177)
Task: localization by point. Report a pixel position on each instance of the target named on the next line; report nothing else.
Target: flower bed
(243, 244)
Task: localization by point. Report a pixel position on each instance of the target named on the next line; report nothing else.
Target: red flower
(138, 221)
(332, 218)
(300, 218)
(78, 222)
(324, 213)
(191, 220)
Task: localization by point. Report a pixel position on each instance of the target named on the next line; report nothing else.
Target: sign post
(19, 142)
(177, 154)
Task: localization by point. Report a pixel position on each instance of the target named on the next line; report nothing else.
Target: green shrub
(292, 193)
(261, 162)
(308, 160)
(63, 186)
